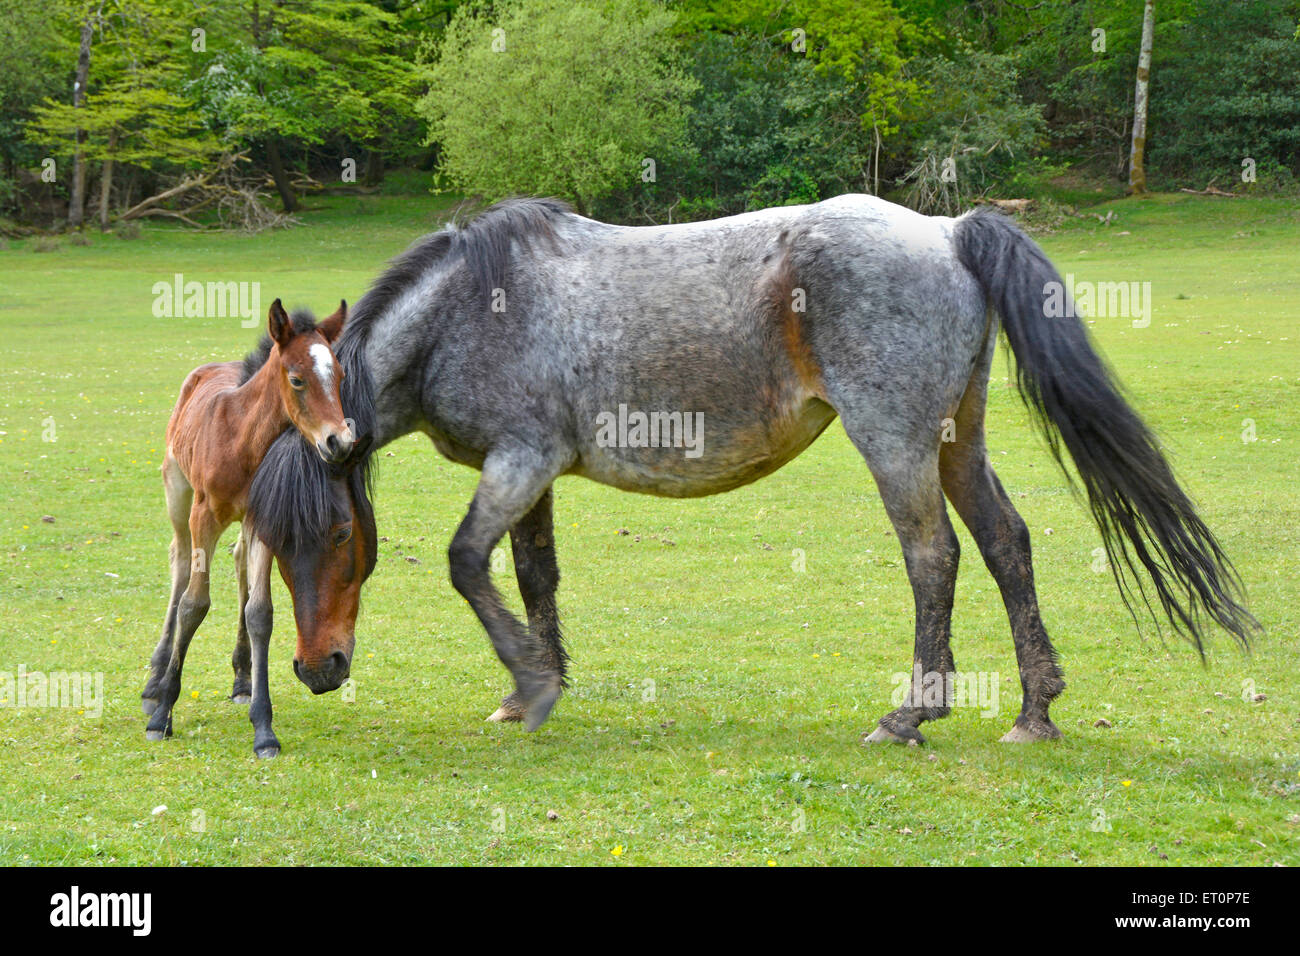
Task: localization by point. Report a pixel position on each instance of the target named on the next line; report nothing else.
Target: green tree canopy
(561, 97)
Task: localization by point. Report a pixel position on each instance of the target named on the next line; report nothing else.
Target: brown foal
(224, 422)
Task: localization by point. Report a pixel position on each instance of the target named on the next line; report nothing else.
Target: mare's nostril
(340, 661)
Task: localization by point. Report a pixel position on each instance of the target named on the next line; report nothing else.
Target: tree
(556, 97)
(77, 208)
(304, 72)
(129, 109)
(1137, 175)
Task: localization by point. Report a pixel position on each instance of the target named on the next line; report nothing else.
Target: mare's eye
(342, 536)
(297, 383)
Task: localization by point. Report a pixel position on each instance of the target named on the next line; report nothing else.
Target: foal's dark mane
(303, 321)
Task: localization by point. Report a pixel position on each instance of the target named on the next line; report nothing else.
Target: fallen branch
(1008, 205)
(170, 214)
(1209, 191)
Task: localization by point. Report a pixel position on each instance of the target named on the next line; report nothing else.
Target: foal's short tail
(1076, 401)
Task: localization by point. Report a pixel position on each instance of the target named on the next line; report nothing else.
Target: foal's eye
(342, 536)
(297, 383)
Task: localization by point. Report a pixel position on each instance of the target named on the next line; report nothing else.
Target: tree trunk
(106, 183)
(77, 207)
(374, 167)
(1137, 174)
(282, 184)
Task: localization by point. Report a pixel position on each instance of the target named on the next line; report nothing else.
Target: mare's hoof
(882, 736)
(155, 735)
(267, 753)
(1028, 733)
(541, 700)
(241, 699)
(510, 711)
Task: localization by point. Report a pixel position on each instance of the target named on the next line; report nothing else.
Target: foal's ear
(278, 324)
(331, 327)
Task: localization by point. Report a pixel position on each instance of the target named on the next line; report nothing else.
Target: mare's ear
(278, 324)
(331, 327)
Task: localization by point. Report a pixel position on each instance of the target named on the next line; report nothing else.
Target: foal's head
(318, 521)
(309, 376)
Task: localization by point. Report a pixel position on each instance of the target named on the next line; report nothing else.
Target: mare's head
(308, 377)
(317, 519)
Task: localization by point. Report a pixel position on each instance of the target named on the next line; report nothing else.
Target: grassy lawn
(718, 693)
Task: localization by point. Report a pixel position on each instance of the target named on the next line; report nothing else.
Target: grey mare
(526, 343)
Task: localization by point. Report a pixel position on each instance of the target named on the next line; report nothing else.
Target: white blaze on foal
(323, 361)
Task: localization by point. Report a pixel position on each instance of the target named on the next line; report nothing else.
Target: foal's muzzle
(323, 675)
(336, 446)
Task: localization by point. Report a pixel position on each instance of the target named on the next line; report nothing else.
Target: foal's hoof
(241, 699)
(510, 711)
(148, 705)
(882, 736)
(1028, 732)
(155, 735)
(267, 753)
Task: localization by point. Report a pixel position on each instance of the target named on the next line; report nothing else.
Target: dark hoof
(510, 711)
(882, 736)
(1031, 731)
(268, 752)
(540, 700)
(148, 705)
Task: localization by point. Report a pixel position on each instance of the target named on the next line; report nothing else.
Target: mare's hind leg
(190, 611)
(258, 615)
(1003, 539)
(241, 659)
(908, 479)
(532, 541)
(512, 484)
(180, 498)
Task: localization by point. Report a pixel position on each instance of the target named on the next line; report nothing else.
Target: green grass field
(718, 694)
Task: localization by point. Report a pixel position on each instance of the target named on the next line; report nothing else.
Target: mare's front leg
(513, 481)
(258, 614)
(532, 541)
(192, 608)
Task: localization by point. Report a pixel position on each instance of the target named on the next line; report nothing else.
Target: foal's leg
(190, 611)
(511, 484)
(1003, 539)
(908, 481)
(241, 660)
(258, 614)
(180, 498)
(532, 540)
